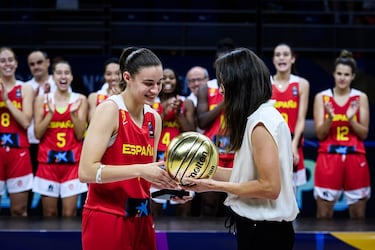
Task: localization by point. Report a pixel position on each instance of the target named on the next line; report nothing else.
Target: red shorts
(108, 231)
(335, 173)
(15, 169)
(56, 180)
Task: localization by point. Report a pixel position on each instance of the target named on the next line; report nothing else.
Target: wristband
(98, 178)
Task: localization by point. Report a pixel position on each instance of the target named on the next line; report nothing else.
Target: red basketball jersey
(100, 97)
(287, 101)
(59, 144)
(341, 138)
(11, 132)
(213, 99)
(171, 127)
(132, 145)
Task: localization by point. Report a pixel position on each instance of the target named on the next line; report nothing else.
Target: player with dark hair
(341, 116)
(119, 160)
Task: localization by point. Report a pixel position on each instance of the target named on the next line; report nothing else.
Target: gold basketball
(191, 154)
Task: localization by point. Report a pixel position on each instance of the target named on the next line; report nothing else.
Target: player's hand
(158, 176)
(329, 109)
(352, 110)
(75, 106)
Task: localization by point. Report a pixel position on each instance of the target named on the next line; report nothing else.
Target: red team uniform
(125, 204)
(15, 162)
(170, 129)
(58, 156)
(341, 163)
(101, 96)
(287, 103)
(216, 131)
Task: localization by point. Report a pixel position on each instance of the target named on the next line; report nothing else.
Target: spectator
(210, 119)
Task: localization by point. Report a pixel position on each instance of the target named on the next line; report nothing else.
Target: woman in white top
(260, 185)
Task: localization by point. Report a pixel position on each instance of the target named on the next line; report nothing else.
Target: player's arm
(360, 127)
(92, 105)
(186, 119)
(322, 125)
(302, 110)
(78, 113)
(98, 135)
(42, 120)
(24, 116)
(205, 116)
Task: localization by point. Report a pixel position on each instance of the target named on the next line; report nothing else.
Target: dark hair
(63, 62)
(111, 60)
(115, 60)
(247, 85)
(346, 58)
(224, 45)
(132, 59)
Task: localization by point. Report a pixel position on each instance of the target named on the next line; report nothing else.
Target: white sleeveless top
(285, 206)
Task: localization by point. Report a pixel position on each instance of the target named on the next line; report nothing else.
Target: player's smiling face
(146, 84)
(169, 81)
(8, 63)
(62, 75)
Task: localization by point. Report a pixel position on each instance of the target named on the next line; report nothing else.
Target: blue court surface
(180, 234)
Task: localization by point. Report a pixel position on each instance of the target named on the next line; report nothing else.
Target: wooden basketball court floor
(193, 233)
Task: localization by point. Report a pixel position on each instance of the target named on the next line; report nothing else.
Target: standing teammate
(177, 114)
(16, 101)
(111, 86)
(291, 93)
(341, 117)
(210, 114)
(119, 160)
(60, 121)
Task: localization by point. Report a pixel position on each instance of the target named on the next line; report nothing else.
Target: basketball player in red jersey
(119, 160)
(341, 117)
(16, 100)
(60, 119)
(291, 93)
(111, 86)
(211, 119)
(177, 114)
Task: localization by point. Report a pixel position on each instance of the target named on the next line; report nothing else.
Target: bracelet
(98, 178)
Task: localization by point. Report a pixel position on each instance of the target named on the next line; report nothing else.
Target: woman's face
(283, 58)
(8, 63)
(169, 81)
(145, 85)
(112, 74)
(343, 76)
(62, 75)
